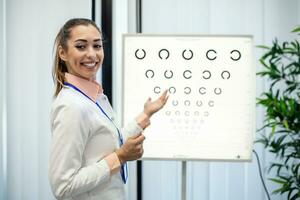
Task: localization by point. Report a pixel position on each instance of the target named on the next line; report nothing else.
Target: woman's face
(84, 54)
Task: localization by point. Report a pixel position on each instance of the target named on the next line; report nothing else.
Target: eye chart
(210, 114)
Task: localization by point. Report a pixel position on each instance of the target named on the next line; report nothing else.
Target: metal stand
(183, 180)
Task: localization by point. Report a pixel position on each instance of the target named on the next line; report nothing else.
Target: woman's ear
(62, 53)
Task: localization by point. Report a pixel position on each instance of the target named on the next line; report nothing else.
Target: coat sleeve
(134, 127)
(70, 131)
(131, 129)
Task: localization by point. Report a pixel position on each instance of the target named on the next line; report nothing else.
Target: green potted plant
(281, 136)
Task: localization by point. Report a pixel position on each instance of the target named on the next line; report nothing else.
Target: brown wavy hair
(59, 66)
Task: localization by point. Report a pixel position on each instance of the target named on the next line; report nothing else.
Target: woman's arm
(142, 121)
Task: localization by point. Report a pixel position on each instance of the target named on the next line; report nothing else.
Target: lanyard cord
(77, 89)
(124, 169)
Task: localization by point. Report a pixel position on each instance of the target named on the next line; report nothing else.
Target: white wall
(2, 100)
(31, 28)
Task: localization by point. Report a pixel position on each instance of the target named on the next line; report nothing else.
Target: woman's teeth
(89, 65)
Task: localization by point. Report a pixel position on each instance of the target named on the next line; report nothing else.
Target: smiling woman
(85, 53)
(88, 151)
(79, 50)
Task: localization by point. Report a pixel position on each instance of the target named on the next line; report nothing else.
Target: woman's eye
(80, 46)
(98, 46)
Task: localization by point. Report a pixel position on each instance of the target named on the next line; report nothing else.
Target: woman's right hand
(132, 149)
(151, 107)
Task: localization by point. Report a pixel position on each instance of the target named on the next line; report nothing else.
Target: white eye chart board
(210, 113)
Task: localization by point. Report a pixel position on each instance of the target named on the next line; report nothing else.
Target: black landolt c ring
(175, 102)
(217, 91)
(200, 90)
(140, 57)
(211, 58)
(239, 55)
(207, 72)
(199, 103)
(149, 71)
(227, 75)
(187, 58)
(187, 90)
(160, 53)
(156, 89)
(170, 75)
(187, 76)
(172, 90)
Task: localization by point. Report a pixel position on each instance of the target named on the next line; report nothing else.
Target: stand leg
(183, 180)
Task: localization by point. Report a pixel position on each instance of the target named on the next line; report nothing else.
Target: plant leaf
(297, 29)
(263, 47)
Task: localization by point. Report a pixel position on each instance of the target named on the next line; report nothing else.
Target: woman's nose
(91, 53)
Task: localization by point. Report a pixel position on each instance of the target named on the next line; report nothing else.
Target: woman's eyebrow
(80, 40)
(83, 40)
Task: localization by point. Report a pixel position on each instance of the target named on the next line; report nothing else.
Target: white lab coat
(81, 137)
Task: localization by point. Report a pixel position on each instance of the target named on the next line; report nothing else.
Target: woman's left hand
(151, 107)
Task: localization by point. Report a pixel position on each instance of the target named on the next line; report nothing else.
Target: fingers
(140, 151)
(136, 136)
(139, 139)
(164, 94)
(139, 147)
(165, 100)
(148, 101)
(133, 148)
(164, 97)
